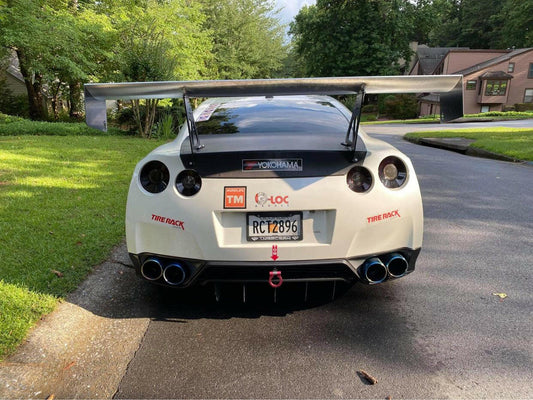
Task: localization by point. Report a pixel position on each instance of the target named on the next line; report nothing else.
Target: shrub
(402, 106)
(370, 109)
(17, 127)
(524, 107)
(164, 128)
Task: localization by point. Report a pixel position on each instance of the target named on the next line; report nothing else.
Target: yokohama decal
(276, 164)
(170, 221)
(383, 217)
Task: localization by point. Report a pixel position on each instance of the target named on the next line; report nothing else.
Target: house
(10, 77)
(492, 79)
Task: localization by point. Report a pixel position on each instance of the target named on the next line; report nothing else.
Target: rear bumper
(203, 272)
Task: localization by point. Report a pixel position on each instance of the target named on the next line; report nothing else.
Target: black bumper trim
(202, 272)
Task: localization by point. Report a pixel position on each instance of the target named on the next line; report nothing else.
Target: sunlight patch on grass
(512, 142)
(62, 205)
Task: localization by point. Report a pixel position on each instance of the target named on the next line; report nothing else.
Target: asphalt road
(440, 332)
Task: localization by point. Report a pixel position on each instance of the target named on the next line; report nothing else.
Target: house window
(530, 73)
(496, 88)
(471, 85)
(485, 109)
(510, 68)
(528, 96)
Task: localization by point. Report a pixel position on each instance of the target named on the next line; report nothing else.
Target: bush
(523, 114)
(402, 106)
(524, 107)
(165, 128)
(7, 119)
(370, 109)
(13, 126)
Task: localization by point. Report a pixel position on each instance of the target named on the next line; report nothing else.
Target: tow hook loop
(275, 280)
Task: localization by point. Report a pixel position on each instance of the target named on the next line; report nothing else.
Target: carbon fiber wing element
(449, 86)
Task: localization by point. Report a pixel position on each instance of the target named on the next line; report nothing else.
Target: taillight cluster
(188, 182)
(392, 173)
(154, 178)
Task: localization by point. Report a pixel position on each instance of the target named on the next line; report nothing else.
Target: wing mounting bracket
(353, 127)
(194, 139)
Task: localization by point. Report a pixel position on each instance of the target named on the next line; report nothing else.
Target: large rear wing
(450, 88)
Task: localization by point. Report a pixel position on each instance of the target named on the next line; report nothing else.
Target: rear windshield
(260, 115)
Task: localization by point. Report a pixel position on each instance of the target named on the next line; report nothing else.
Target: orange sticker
(235, 197)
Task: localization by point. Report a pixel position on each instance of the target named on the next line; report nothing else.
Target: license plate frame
(271, 220)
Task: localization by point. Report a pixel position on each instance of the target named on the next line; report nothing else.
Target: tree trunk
(76, 102)
(33, 84)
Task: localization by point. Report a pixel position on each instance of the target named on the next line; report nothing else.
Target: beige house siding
(16, 86)
(456, 60)
(481, 66)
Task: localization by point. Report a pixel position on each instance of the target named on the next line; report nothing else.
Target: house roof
(496, 74)
(13, 67)
(430, 57)
(493, 61)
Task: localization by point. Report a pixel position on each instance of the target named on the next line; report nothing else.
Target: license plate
(274, 226)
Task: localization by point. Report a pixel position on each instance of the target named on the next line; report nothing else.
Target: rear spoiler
(450, 88)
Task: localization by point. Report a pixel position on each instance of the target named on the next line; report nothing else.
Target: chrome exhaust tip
(373, 271)
(151, 269)
(397, 265)
(174, 274)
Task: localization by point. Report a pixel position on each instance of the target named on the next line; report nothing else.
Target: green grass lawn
(489, 116)
(512, 142)
(62, 204)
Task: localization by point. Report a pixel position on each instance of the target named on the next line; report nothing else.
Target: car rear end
(273, 196)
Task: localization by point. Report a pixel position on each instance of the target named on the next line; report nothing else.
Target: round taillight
(154, 177)
(392, 172)
(359, 179)
(188, 182)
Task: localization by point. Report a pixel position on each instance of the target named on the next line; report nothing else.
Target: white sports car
(273, 181)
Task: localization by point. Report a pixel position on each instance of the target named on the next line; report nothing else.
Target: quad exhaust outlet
(152, 269)
(376, 270)
(174, 274)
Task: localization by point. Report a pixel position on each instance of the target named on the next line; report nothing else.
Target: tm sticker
(235, 197)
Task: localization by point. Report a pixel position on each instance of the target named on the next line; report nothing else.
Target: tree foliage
(357, 37)
(480, 24)
(248, 39)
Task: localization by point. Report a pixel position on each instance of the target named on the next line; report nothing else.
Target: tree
(481, 24)
(53, 46)
(517, 29)
(357, 37)
(248, 40)
(160, 41)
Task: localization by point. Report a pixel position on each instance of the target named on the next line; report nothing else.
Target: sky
(290, 8)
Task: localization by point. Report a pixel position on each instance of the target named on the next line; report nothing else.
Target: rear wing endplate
(450, 88)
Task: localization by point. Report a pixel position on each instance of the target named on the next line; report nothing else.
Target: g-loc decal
(384, 216)
(276, 164)
(170, 221)
(262, 198)
(235, 197)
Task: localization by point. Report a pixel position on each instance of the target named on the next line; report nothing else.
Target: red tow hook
(275, 275)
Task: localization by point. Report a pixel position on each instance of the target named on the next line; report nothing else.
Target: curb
(83, 348)
(463, 146)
